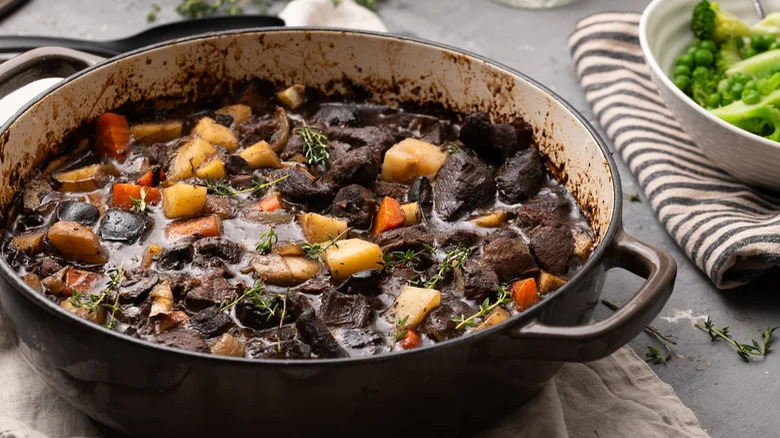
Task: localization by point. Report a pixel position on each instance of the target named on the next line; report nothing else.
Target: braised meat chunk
(462, 185)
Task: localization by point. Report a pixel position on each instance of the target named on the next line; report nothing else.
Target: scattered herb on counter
(223, 188)
(315, 145)
(656, 357)
(267, 241)
(153, 13)
(370, 4)
(634, 197)
(314, 250)
(743, 350)
(504, 297)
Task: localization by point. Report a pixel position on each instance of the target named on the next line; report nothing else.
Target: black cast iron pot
(455, 386)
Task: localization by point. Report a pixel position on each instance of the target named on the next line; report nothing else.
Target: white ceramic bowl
(664, 33)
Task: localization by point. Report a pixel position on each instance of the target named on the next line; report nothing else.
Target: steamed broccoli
(728, 54)
(703, 22)
(762, 118)
(759, 66)
(770, 25)
(709, 22)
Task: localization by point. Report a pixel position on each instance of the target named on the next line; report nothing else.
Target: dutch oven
(150, 390)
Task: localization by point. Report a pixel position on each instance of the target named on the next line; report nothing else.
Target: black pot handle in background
(40, 63)
(594, 341)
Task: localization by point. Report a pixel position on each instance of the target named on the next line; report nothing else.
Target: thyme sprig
(656, 357)
(93, 302)
(452, 147)
(314, 250)
(315, 145)
(267, 241)
(743, 350)
(504, 297)
(139, 204)
(405, 258)
(401, 329)
(454, 258)
(254, 293)
(223, 188)
(203, 8)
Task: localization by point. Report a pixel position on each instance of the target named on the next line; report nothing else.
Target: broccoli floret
(762, 118)
(703, 20)
(770, 25)
(759, 66)
(728, 55)
(710, 22)
(703, 84)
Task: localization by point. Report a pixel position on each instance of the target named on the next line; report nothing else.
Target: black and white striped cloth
(694, 199)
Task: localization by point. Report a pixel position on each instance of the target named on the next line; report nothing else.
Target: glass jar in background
(535, 4)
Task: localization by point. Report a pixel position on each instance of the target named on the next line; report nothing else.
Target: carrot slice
(206, 226)
(525, 293)
(389, 216)
(152, 177)
(80, 281)
(411, 340)
(121, 194)
(112, 136)
(271, 202)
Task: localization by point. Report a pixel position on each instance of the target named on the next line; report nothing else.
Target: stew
(293, 225)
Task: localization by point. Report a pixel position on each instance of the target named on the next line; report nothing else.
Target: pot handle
(43, 62)
(594, 341)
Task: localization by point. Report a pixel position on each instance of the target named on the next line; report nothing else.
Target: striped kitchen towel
(731, 231)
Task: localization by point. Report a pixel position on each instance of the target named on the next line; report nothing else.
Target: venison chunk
(313, 332)
(462, 185)
(359, 166)
(344, 310)
(509, 258)
(552, 244)
(356, 204)
(210, 322)
(221, 248)
(521, 176)
(183, 338)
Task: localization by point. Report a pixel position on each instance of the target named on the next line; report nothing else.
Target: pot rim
(595, 259)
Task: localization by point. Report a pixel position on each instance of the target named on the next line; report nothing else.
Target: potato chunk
(352, 255)
(413, 303)
(318, 228)
(189, 157)
(284, 271)
(29, 242)
(549, 282)
(260, 155)
(491, 220)
(85, 179)
(293, 96)
(216, 134)
(228, 345)
(213, 169)
(412, 158)
(240, 113)
(412, 214)
(496, 316)
(180, 200)
(582, 244)
(155, 132)
(76, 242)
